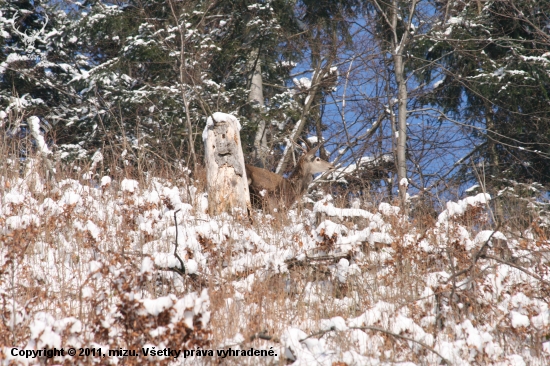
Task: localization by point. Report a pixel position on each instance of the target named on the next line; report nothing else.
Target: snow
(147, 265)
(34, 125)
(302, 83)
(14, 57)
(455, 20)
(474, 337)
(14, 198)
(388, 210)
(312, 139)
(340, 269)
(129, 185)
(42, 330)
(22, 222)
(519, 320)
(157, 306)
(293, 347)
(70, 198)
(460, 207)
(472, 188)
(93, 229)
(191, 266)
(105, 181)
(365, 162)
(95, 266)
(96, 158)
(337, 323)
(219, 117)
(513, 360)
(438, 83)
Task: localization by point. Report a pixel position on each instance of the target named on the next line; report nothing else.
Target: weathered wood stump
(227, 184)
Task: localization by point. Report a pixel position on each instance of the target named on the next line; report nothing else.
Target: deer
(286, 191)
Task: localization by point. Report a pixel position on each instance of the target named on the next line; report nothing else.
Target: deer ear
(313, 150)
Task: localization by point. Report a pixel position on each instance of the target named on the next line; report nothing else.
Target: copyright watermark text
(145, 351)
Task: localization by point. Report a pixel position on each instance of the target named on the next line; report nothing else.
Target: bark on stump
(227, 184)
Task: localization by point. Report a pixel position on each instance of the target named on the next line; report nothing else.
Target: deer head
(312, 164)
(291, 189)
(307, 165)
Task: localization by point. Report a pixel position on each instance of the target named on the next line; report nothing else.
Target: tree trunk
(297, 130)
(399, 45)
(256, 99)
(494, 165)
(315, 110)
(227, 184)
(402, 130)
(183, 82)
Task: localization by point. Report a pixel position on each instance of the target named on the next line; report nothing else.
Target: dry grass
(46, 269)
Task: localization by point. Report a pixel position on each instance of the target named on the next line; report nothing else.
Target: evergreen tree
(496, 60)
(36, 63)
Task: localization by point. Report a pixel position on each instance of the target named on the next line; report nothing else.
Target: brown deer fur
(285, 191)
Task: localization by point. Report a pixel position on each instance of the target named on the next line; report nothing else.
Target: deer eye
(317, 159)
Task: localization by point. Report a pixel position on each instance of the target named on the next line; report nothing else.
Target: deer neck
(300, 178)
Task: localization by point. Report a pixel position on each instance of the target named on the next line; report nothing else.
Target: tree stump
(227, 184)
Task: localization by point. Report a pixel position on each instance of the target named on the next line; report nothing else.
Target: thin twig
(323, 332)
(263, 335)
(476, 256)
(308, 260)
(180, 270)
(500, 260)
(447, 362)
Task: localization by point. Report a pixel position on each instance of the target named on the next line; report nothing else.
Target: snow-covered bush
(91, 264)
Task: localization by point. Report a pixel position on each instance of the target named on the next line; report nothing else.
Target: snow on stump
(227, 184)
